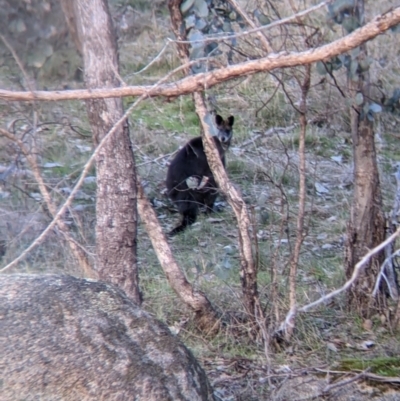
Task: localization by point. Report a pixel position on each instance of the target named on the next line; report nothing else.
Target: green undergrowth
(383, 366)
(174, 116)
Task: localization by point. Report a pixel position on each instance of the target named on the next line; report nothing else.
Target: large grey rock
(63, 338)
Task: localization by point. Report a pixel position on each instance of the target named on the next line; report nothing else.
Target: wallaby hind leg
(209, 207)
(189, 217)
(209, 200)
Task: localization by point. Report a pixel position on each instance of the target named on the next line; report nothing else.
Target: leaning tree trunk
(366, 227)
(207, 319)
(248, 268)
(116, 214)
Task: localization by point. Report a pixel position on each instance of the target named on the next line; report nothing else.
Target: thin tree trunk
(206, 317)
(116, 224)
(294, 261)
(295, 257)
(366, 228)
(248, 268)
(68, 11)
(177, 24)
(248, 271)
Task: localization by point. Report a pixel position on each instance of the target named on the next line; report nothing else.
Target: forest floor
(329, 343)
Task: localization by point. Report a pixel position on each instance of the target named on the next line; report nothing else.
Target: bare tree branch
(201, 81)
(356, 273)
(387, 270)
(261, 36)
(28, 81)
(77, 250)
(274, 24)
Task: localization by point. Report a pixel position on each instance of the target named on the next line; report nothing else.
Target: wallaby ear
(231, 120)
(219, 120)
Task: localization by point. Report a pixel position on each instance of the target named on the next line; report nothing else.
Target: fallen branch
(344, 382)
(365, 375)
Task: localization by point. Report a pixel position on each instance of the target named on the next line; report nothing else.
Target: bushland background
(263, 163)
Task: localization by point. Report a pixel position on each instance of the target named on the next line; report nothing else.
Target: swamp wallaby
(190, 182)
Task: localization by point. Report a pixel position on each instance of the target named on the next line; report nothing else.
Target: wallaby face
(224, 129)
(190, 183)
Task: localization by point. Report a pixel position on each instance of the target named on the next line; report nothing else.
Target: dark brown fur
(191, 162)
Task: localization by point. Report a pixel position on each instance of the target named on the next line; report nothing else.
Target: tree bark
(176, 18)
(116, 214)
(206, 317)
(366, 228)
